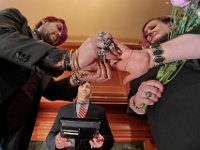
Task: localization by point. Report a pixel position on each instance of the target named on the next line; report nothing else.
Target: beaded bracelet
(75, 79)
(66, 62)
(134, 104)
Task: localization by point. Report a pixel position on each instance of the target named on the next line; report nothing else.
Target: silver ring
(104, 46)
(148, 95)
(107, 43)
(101, 35)
(113, 47)
(102, 54)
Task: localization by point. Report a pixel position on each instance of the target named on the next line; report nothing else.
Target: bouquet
(185, 16)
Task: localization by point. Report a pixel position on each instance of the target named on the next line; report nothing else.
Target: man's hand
(62, 142)
(148, 93)
(97, 142)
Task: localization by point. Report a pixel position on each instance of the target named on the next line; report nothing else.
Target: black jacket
(20, 55)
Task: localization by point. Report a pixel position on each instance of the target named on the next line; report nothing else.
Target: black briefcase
(79, 128)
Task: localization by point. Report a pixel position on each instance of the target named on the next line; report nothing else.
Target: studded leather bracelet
(157, 52)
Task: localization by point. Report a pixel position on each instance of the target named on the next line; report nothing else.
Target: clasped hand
(97, 68)
(92, 58)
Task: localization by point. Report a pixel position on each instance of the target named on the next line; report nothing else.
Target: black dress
(174, 119)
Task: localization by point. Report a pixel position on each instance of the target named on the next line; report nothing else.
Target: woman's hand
(136, 62)
(148, 93)
(62, 142)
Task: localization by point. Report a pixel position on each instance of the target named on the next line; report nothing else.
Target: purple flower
(180, 3)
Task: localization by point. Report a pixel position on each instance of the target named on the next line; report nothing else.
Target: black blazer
(19, 57)
(17, 60)
(94, 111)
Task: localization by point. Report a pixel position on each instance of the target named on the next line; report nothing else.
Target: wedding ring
(148, 95)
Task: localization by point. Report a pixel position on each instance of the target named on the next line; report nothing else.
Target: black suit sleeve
(50, 140)
(18, 46)
(60, 89)
(105, 131)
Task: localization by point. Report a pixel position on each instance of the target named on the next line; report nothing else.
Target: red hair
(64, 35)
(165, 19)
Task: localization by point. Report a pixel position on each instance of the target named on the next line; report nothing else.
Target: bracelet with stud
(157, 52)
